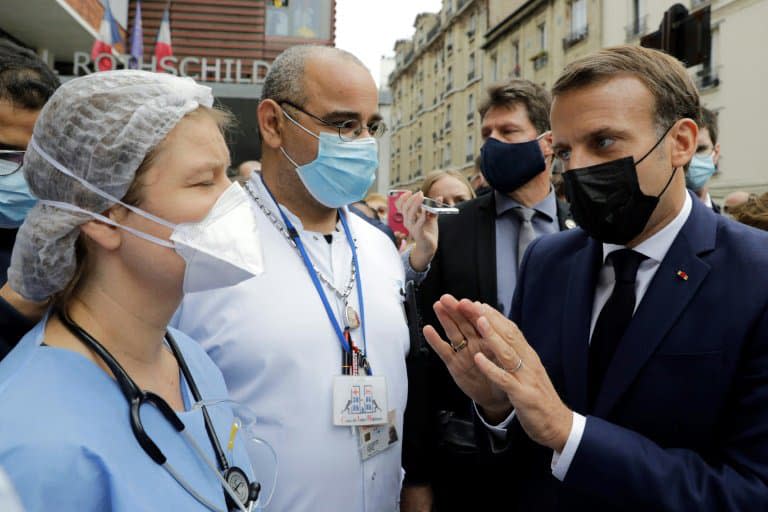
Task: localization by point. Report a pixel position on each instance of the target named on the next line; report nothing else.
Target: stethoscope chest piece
(245, 491)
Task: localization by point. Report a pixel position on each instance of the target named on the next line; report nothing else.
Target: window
(494, 68)
(639, 20)
(418, 166)
(578, 16)
(542, 31)
(578, 23)
(448, 116)
(447, 154)
(449, 80)
(448, 41)
(472, 27)
(470, 153)
(707, 77)
(471, 73)
(471, 107)
(516, 58)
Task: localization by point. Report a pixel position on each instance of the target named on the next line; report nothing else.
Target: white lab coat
(272, 340)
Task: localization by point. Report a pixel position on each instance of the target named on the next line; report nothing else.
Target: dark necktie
(614, 318)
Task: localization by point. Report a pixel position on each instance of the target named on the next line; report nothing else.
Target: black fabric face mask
(508, 166)
(606, 199)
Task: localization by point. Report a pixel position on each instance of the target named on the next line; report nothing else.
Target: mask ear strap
(106, 220)
(656, 145)
(285, 154)
(674, 170)
(291, 119)
(109, 197)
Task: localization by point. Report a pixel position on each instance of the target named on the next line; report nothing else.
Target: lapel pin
(570, 223)
(682, 275)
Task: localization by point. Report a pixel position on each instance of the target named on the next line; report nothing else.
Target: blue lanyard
(294, 234)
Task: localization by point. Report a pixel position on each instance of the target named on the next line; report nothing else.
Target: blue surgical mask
(342, 172)
(508, 166)
(699, 171)
(15, 198)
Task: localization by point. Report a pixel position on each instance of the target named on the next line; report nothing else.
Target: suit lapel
(484, 230)
(679, 276)
(579, 296)
(564, 215)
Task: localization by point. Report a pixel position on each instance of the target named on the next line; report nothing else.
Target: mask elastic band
(299, 124)
(138, 211)
(674, 170)
(289, 158)
(656, 145)
(106, 220)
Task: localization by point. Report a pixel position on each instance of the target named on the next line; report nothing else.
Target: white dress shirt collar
(657, 246)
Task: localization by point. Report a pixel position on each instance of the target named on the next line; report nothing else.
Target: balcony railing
(540, 60)
(707, 78)
(575, 36)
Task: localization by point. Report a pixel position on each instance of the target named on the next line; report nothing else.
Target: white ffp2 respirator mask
(223, 249)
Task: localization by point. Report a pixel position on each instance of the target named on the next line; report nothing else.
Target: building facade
(226, 44)
(435, 86)
(496, 40)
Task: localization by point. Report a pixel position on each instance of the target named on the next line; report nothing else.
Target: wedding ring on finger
(459, 346)
(516, 368)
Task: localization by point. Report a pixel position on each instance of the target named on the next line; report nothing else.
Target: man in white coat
(317, 343)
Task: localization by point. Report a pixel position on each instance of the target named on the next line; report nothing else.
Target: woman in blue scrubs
(135, 209)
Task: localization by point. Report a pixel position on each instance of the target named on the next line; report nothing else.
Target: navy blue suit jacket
(681, 422)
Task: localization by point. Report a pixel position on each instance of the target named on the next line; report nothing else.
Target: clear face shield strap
(106, 220)
(138, 211)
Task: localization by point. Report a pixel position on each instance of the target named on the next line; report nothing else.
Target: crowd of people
(588, 329)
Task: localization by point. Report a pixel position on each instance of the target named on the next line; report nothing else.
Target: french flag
(109, 35)
(163, 45)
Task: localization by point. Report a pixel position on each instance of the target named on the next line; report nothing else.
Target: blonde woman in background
(450, 187)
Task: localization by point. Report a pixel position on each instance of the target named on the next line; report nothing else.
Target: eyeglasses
(11, 161)
(350, 129)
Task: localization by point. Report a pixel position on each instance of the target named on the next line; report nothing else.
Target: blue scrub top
(66, 441)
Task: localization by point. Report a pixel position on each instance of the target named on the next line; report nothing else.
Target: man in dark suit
(633, 374)
(477, 257)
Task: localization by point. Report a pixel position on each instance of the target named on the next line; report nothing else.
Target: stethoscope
(235, 481)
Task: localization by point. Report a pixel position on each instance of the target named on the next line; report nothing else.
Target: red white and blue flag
(109, 36)
(163, 45)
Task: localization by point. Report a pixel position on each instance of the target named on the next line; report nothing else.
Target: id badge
(375, 439)
(359, 400)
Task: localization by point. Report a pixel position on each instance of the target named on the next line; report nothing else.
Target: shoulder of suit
(560, 245)
(467, 212)
(743, 241)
